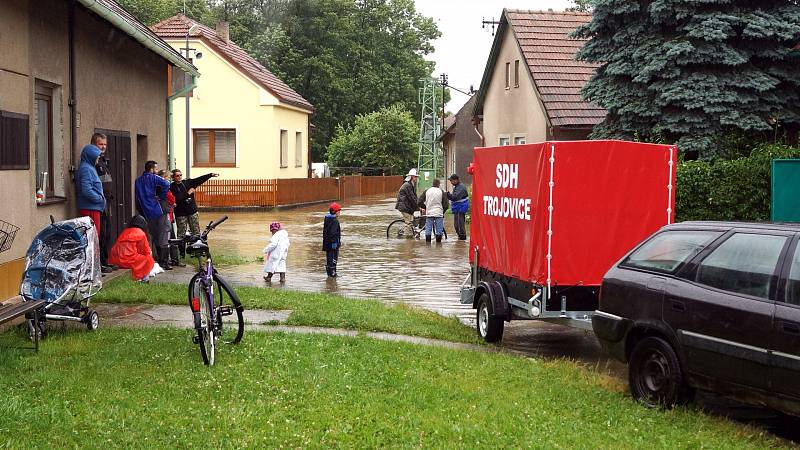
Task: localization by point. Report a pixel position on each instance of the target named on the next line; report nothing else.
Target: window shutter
(14, 141)
(201, 146)
(225, 147)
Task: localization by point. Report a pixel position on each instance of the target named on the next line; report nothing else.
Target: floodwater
(370, 264)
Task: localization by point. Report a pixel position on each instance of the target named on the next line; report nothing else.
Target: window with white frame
(298, 149)
(284, 148)
(519, 140)
(504, 140)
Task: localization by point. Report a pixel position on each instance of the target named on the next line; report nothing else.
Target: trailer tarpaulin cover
(606, 196)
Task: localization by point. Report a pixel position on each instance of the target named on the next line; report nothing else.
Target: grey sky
(462, 50)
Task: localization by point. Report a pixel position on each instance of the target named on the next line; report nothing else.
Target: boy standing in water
(331, 238)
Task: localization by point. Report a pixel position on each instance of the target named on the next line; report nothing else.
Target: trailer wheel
(489, 328)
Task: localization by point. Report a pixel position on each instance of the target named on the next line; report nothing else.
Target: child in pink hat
(275, 253)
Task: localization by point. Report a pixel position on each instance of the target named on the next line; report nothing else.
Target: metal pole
(188, 164)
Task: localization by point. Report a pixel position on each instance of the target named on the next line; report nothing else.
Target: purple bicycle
(210, 297)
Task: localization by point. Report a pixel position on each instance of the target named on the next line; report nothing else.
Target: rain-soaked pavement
(429, 276)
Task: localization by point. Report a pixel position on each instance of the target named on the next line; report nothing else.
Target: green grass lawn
(309, 309)
(146, 388)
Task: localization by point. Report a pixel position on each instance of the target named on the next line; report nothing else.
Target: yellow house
(245, 122)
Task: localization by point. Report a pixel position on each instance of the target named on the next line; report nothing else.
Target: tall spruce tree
(694, 72)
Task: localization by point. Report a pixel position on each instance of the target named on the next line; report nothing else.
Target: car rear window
(666, 251)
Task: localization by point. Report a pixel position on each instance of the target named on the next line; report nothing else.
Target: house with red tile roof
(245, 123)
(531, 87)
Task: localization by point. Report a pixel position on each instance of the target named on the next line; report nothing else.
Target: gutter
(170, 135)
(150, 41)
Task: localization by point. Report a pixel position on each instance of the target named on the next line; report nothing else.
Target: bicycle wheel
(224, 291)
(204, 324)
(396, 229)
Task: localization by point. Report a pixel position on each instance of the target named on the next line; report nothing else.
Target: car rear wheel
(655, 374)
(489, 328)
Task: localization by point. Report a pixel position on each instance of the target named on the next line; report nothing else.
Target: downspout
(180, 93)
(72, 101)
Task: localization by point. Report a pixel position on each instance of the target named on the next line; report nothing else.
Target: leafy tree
(347, 57)
(581, 5)
(386, 138)
(692, 72)
(350, 57)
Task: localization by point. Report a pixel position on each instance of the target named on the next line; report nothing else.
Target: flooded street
(370, 265)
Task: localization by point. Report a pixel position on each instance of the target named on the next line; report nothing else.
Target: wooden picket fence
(293, 191)
(235, 193)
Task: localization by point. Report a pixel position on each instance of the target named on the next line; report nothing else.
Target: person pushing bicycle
(407, 202)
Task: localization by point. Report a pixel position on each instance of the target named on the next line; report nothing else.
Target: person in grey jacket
(407, 202)
(435, 203)
(459, 199)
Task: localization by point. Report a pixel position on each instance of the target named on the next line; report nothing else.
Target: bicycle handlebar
(213, 225)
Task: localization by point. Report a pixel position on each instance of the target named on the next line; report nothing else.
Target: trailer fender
(498, 305)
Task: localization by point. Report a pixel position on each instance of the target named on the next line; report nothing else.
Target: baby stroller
(63, 268)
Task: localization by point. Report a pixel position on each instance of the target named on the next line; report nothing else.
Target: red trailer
(549, 219)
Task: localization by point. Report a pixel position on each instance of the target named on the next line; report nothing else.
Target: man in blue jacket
(88, 188)
(459, 204)
(151, 191)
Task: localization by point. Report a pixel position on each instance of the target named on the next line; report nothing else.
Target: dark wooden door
(119, 164)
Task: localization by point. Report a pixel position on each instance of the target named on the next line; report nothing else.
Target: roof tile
(550, 54)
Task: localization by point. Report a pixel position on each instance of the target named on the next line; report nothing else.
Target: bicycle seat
(197, 248)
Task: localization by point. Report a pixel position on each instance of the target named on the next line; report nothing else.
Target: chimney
(224, 31)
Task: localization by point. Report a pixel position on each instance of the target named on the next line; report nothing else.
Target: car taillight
(195, 304)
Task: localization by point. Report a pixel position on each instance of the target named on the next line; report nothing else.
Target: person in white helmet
(407, 202)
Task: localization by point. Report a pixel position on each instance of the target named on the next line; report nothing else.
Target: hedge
(736, 189)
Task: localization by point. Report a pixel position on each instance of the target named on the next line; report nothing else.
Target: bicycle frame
(208, 285)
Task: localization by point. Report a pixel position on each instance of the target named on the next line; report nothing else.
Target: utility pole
(443, 78)
(492, 22)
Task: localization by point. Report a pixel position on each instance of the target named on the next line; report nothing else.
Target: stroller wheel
(92, 320)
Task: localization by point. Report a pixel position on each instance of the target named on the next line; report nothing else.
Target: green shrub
(737, 189)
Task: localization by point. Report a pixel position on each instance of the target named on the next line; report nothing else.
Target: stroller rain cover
(63, 263)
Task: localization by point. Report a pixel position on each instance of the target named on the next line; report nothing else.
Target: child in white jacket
(275, 253)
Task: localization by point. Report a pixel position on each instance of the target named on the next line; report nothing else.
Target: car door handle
(677, 306)
(790, 328)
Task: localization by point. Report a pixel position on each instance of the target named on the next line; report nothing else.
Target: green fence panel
(785, 204)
